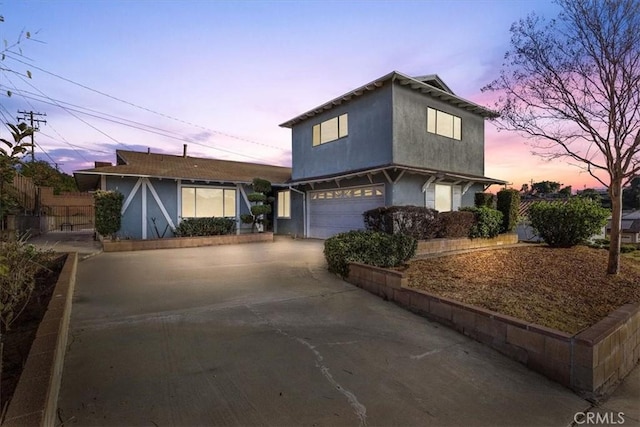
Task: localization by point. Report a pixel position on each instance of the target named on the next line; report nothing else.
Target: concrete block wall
(591, 362)
(183, 242)
(434, 246)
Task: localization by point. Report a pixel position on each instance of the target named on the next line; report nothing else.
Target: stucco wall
(367, 145)
(295, 225)
(414, 146)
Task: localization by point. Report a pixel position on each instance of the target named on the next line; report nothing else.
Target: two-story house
(397, 140)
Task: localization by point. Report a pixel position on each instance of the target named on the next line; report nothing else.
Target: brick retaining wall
(433, 246)
(184, 242)
(590, 362)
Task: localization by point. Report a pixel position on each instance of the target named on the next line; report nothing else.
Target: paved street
(262, 334)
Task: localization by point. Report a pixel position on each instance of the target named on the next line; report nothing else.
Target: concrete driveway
(262, 334)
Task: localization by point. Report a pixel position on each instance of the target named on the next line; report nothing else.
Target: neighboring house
(630, 227)
(165, 188)
(395, 141)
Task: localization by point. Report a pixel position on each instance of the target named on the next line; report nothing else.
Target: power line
(150, 130)
(145, 108)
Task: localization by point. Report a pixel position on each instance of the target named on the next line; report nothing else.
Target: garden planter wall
(35, 400)
(590, 362)
(434, 246)
(184, 242)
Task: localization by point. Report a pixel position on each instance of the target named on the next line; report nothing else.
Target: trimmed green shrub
(488, 222)
(485, 199)
(108, 207)
(368, 247)
(261, 185)
(627, 249)
(567, 224)
(260, 209)
(421, 223)
(508, 203)
(246, 218)
(256, 197)
(192, 227)
(456, 224)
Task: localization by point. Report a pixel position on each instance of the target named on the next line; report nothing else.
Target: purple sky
(220, 76)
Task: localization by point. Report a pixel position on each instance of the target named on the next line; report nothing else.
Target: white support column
(238, 221)
(103, 182)
(179, 200)
(144, 210)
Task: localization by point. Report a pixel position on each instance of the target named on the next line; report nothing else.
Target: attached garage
(338, 210)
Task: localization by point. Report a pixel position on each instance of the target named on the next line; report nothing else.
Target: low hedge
(418, 222)
(456, 224)
(368, 247)
(488, 222)
(192, 227)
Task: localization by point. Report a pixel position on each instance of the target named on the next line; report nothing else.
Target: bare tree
(572, 84)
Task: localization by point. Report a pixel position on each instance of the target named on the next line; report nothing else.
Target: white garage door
(335, 211)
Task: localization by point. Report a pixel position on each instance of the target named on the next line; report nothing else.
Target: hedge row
(368, 247)
(192, 227)
(423, 223)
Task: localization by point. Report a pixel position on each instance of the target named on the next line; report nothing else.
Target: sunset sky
(221, 75)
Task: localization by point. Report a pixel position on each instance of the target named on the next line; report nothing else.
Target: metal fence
(69, 217)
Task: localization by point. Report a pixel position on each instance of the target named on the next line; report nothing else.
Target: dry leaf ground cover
(564, 289)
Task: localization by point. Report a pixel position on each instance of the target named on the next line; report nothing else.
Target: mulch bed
(564, 289)
(18, 340)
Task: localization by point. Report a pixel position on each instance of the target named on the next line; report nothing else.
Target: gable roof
(140, 164)
(430, 84)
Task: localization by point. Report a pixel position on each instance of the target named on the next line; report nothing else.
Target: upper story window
(443, 124)
(330, 130)
(199, 202)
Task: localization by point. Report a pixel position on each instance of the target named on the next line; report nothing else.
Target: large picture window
(284, 204)
(199, 202)
(330, 130)
(443, 124)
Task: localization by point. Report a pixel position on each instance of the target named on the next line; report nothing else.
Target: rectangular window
(330, 130)
(284, 204)
(444, 198)
(201, 202)
(444, 124)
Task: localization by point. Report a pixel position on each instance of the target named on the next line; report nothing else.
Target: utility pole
(35, 125)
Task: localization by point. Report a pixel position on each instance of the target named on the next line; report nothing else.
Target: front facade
(395, 141)
(160, 190)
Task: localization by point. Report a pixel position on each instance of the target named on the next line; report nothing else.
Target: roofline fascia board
(404, 80)
(131, 175)
(447, 175)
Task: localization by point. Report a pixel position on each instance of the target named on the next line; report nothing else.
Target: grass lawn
(564, 289)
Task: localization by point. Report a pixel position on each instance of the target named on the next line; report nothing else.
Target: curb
(35, 400)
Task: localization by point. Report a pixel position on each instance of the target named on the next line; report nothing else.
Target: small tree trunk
(615, 192)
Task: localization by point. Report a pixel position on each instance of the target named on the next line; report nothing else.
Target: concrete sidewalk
(262, 334)
(81, 241)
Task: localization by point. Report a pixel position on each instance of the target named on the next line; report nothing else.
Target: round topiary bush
(562, 225)
(368, 247)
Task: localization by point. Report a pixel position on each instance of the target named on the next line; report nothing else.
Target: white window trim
(339, 127)
(216, 187)
(454, 117)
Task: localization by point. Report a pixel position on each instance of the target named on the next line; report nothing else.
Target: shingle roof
(135, 163)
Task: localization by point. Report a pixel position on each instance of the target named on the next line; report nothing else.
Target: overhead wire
(138, 126)
(145, 108)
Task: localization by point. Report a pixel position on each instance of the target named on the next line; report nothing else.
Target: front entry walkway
(262, 334)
